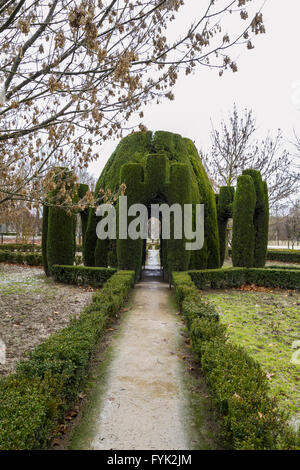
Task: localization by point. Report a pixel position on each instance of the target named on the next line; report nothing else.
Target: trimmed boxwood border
(239, 387)
(27, 247)
(20, 247)
(35, 398)
(82, 275)
(235, 277)
(286, 256)
(32, 259)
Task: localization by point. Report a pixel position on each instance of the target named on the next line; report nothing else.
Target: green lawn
(266, 324)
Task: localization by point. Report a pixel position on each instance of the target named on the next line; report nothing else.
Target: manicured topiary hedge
(219, 278)
(20, 247)
(274, 266)
(250, 221)
(243, 231)
(82, 275)
(44, 239)
(235, 277)
(283, 278)
(60, 237)
(238, 385)
(32, 259)
(286, 256)
(46, 386)
(260, 218)
(59, 221)
(160, 167)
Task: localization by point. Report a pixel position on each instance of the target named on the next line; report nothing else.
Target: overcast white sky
(268, 81)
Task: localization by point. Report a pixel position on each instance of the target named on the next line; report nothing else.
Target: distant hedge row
(82, 275)
(159, 167)
(47, 385)
(238, 385)
(20, 247)
(286, 256)
(27, 247)
(235, 277)
(32, 259)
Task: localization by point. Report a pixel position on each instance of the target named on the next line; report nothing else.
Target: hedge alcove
(157, 168)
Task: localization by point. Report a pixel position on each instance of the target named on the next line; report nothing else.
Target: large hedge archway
(160, 166)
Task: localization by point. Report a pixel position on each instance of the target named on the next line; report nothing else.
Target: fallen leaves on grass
(254, 288)
(237, 396)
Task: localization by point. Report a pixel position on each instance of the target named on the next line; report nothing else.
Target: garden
(239, 316)
(149, 246)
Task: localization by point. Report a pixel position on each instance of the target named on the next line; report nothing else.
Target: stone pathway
(141, 408)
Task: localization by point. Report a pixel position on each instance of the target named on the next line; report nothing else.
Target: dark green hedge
(32, 259)
(44, 239)
(284, 278)
(46, 386)
(286, 256)
(219, 278)
(243, 233)
(60, 229)
(153, 166)
(260, 218)
(235, 277)
(238, 385)
(273, 266)
(82, 275)
(60, 237)
(20, 247)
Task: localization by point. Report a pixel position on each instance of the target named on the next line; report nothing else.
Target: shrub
(283, 278)
(27, 411)
(288, 268)
(32, 259)
(239, 387)
(219, 278)
(20, 247)
(45, 386)
(235, 277)
(286, 256)
(61, 227)
(243, 232)
(183, 286)
(60, 237)
(240, 392)
(260, 218)
(193, 307)
(82, 275)
(44, 239)
(203, 329)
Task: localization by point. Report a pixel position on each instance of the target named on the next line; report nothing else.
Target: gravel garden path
(141, 408)
(143, 404)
